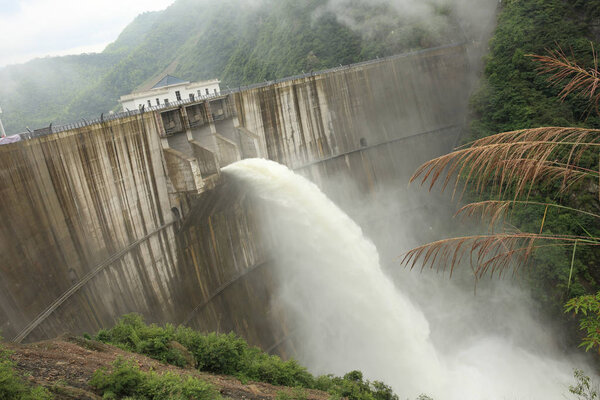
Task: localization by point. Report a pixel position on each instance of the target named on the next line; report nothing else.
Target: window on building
(149, 103)
(199, 93)
(215, 91)
(192, 96)
(167, 101)
(157, 102)
(177, 95)
(207, 92)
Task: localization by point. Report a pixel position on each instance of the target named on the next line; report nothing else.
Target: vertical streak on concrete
(302, 148)
(71, 200)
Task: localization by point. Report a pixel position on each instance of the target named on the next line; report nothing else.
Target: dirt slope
(66, 364)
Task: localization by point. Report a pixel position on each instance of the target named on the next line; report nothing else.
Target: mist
(421, 333)
(457, 20)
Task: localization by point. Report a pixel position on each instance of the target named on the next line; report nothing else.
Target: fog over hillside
(237, 41)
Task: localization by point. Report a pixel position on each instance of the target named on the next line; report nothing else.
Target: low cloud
(472, 18)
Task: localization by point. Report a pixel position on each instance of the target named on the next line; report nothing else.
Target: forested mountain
(515, 95)
(236, 41)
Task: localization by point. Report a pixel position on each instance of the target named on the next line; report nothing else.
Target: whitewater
(348, 314)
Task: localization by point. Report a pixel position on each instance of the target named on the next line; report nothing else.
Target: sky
(39, 28)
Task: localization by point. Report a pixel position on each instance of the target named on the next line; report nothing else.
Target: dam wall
(72, 202)
(133, 214)
(317, 117)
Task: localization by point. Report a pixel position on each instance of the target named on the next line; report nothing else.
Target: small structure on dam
(129, 213)
(170, 90)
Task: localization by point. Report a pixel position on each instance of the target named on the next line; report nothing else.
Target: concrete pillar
(186, 123)
(159, 124)
(233, 110)
(211, 121)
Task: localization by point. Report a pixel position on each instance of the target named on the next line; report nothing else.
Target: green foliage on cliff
(231, 355)
(236, 41)
(515, 96)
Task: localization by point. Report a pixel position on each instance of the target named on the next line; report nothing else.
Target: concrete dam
(133, 214)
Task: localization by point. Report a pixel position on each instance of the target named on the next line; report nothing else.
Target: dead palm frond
(492, 253)
(496, 210)
(569, 75)
(516, 160)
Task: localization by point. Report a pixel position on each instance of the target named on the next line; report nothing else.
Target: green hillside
(513, 96)
(236, 41)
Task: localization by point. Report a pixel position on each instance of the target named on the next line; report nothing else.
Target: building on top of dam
(168, 90)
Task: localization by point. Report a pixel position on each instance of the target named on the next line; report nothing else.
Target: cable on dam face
(73, 289)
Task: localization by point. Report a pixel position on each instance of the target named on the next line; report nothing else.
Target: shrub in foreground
(132, 334)
(126, 380)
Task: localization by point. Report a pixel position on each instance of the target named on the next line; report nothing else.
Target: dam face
(131, 214)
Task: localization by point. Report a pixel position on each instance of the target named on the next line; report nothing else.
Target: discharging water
(346, 313)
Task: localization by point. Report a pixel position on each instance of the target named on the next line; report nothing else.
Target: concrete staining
(133, 214)
(72, 200)
(311, 119)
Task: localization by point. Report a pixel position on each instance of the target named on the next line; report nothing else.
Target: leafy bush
(262, 367)
(132, 334)
(229, 354)
(353, 386)
(215, 353)
(584, 389)
(12, 387)
(589, 306)
(126, 379)
(221, 354)
(295, 394)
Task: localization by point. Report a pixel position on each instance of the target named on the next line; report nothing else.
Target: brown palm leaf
(569, 75)
(494, 253)
(515, 159)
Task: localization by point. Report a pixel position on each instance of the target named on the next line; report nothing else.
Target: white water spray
(347, 314)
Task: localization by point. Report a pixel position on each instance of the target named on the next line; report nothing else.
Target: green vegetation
(584, 388)
(12, 387)
(588, 306)
(353, 386)
(231, 355)
(236, 41)
(294, 394)
(514, 95)
(127, 381)
(543, 181)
